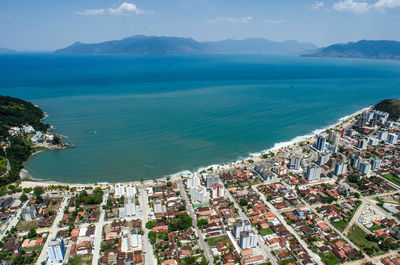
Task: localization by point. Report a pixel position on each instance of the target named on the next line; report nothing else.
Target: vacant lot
(265, 231)
(54, 204)
(328, 258)
(340, 225)
(81, 260)
(220, 239)
(357, 235)
(286, 261)
(392, 178)
(24, 226)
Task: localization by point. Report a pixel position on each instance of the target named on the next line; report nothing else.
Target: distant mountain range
(173, 45)
(369, 49)
(259, 45)
(4, 50)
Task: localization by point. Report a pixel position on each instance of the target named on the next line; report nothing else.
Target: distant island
(175, 45)
(368, 49)
(22, 133)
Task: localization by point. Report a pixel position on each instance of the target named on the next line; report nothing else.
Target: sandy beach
(256, 157)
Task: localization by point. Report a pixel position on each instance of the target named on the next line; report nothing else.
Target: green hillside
(391, 106)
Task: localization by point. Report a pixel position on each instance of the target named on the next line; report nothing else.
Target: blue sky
(52, 24)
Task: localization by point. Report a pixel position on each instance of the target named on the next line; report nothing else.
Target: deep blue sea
(133, 117)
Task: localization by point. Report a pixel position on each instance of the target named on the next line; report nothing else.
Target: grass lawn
(80, 260)
(375, 227)
(392, 178)
(35, 248)
(201, 205)
(286, 261)
(219, 239)
(265, 231)
(340, 225)
(328, 258)
(357, 235)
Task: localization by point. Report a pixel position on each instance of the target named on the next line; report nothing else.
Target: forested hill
(176, 45)
(367, 49)
(15, 150)
(16, 112)
(391, 106)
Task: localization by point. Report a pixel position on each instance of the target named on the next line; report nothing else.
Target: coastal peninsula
(22, 133)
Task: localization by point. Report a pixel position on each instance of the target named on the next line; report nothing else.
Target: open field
(265, 231)
(357, 235)
(328, 258)
(392, 178)
(24, 226)
(81, 260)
(219, 239)
(340, 225)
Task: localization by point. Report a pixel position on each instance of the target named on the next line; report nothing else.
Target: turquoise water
(159, 115)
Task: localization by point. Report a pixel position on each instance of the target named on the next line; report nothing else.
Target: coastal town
(331, 198)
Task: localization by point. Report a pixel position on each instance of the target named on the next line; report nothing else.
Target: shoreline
(257, 156)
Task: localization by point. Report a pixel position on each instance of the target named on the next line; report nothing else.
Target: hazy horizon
(46, 25)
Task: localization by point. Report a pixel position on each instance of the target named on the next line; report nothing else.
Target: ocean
(145, 117)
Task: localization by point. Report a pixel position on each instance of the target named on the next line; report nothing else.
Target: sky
(44, 25)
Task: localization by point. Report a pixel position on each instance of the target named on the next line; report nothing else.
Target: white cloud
(387, 4)
(91, 12)
(352, 6)
(317, 5)
(360, 7)
(232, 20)
(272, 21)
(123, 9)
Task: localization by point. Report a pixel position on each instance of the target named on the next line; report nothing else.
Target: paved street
(147, 248)
(203, 245)
(343, 235)
(266, 251)
(13, 222)
(53, 230)
(313, 255)
(354, 219)
(371, 202)
(99, 232)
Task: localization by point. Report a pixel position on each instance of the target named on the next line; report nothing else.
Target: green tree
(27, 190)
(32, 233)
(150, 225)
(121, 200)
(202, 223)
(37, 191)
(181, 222)
(243, 202)
(23, 197)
